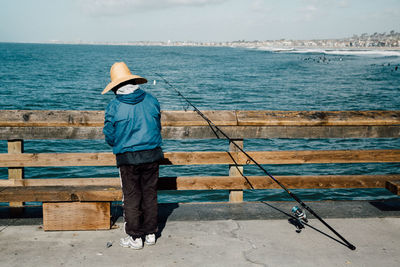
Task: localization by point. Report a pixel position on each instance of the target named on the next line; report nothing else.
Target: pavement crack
(233, 232)
(245, 253)
(247, 258)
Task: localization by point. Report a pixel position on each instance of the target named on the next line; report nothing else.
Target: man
(132, 127)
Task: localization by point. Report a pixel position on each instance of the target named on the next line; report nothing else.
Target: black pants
(139, 188)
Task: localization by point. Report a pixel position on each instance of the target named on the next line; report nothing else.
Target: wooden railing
(83, 198)
(16, 125)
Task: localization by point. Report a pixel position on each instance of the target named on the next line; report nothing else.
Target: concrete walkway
(210, 243)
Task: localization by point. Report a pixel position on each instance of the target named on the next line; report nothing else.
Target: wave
(274, 49)
(339, 52)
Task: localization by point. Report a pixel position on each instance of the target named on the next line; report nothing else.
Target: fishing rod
(217, 130)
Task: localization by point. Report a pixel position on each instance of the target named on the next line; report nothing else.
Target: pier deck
(223, 234)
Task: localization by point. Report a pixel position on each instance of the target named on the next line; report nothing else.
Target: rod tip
(352, 247)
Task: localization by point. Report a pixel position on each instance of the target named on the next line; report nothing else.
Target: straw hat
(120, 73)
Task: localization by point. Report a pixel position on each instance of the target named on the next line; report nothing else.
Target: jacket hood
(136, 97)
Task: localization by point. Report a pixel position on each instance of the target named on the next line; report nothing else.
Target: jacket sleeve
(109, 128)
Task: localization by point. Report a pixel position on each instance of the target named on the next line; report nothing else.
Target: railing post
(15, 147)
(235, 195)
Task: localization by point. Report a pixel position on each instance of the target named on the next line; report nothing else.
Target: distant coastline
(376, 41)
(276, 44)
(389, 40)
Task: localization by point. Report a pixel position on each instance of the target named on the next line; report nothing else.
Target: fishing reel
(299, 214)
(298, 219)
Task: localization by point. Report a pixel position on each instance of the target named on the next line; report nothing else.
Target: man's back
(132, 122)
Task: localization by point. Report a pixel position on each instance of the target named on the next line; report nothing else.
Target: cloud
(343, 4)
(121, 7)
(328, 3)
(260, 6)
(310, 8)
(309, 12)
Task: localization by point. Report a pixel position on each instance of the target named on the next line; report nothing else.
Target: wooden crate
(61, 216)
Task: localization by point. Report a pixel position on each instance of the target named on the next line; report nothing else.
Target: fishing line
(241, 173)
(306, 224)
(217, 130)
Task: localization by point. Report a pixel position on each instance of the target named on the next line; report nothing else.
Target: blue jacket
(132, 122)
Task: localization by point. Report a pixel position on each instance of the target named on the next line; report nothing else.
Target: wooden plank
(191, 118)
(87, 118)
(212, 182)
(297, 132)
(393, 186)
(112, 191)
(15, 147)
(51, 133)
(57, 159)
(235, 196)
(107, 159)
(197, 158)
(204, 132)
(111, 182)
(263, 182)
(51, 118)
(211, 157)
(312, 118)
(58, 118)
(76, 216)
(181, 125)
(61, 193)
(321, 156)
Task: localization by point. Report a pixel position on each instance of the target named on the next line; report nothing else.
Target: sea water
(71, 77)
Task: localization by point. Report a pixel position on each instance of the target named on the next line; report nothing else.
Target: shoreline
(222, 44)
(330, 48)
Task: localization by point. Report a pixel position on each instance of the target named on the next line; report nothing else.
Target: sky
(193, 20)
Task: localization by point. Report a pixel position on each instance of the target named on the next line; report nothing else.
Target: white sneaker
(129, 242)
(150, 239)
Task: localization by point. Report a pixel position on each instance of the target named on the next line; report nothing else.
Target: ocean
(71, 77)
